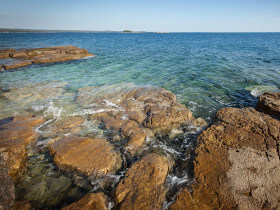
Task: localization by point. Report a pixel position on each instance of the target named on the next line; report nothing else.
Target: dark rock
(143, 185)
(269, 103)
(237, 163)
(7, 189)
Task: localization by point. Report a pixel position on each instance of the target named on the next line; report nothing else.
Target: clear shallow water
(206, 71)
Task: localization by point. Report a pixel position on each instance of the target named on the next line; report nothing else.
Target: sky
(143, 15)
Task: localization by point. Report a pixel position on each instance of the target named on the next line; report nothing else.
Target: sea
(206, 71)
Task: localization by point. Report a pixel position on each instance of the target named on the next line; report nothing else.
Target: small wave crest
(258, 90)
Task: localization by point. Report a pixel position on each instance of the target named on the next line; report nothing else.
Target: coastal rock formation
(86, 156)
(90, 201)
(143, 185)
(237, 163)
(36, 93)
(22, 205)
(42, 55)
(269, 103)
(7, 189)
(15, 134)
(136, 112)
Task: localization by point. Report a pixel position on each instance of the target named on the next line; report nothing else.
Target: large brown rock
(135, 112)
(269, 103)
(15, 134)
(7, 189)
(237, 163)
(42, 55)
(143, 185)
(86, 156)
(90, 201)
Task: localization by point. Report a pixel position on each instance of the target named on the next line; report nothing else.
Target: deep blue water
(206, 71)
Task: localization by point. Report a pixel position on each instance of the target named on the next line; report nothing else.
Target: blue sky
(143, 15)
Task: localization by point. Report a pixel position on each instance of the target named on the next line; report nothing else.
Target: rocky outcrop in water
(269, 103)
(90, 201)
(41, 55)
(136, 112)
(143, 185)
(237, 163)
(15, 134)
(85, 156)
(7, 189)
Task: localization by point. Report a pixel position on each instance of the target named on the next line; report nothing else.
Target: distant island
(18, 30)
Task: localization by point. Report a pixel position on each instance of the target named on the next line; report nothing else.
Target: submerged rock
(237, 163)
(42, 55)
(38, 94)
(269, 103)
(90, 201)
(143, 185)
(7, 189)
(135, 112)
(15, 134)
(85, 156)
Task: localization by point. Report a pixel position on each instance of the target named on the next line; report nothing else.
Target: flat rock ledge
(27, 57)
(86, 156)
(237, 163)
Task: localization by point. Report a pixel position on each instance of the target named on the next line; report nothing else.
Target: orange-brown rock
(5, 53)
(42, 55)
(127, 109)
(17, 64)
(90, 201)
(237, 163)
(86, 156)
(143, 184)
(269, 103)
(15, 134)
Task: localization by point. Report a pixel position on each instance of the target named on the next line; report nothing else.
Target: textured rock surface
(86, 156)
(15, 134)
(135, 112)
(143, 185)
(7, 189)
(42, 55)
(237, 163)
(22, 205)
(270, 103)
(37, 93)
(90, 201)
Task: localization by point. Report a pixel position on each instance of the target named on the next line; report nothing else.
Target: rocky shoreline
(236, 161)
(25, 57)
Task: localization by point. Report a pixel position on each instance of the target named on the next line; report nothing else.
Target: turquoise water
(206, 71)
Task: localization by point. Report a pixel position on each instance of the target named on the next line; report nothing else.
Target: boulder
(236, 164)
(143, 184)
(7, 189)
(15, 134)
(269, 103)
(85, 156)
(19, 54)
(90, 201)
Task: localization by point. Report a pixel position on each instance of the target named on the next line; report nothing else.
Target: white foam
(258, 90)
(53, 111)
(91, 111)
